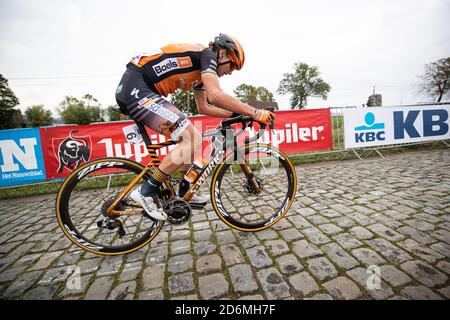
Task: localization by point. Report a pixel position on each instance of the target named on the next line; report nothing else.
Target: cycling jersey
(175, 66)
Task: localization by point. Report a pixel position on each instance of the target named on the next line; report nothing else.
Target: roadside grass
(30, 190)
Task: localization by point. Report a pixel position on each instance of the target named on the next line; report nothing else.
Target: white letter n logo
(9, 148)
(135, 93)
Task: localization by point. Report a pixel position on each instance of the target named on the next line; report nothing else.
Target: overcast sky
(50, 49)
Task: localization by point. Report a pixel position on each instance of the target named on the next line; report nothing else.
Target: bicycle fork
(252, 182)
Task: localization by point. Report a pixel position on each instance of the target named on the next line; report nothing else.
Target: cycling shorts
(136, 99)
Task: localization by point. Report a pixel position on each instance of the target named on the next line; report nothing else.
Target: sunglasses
(233, 66)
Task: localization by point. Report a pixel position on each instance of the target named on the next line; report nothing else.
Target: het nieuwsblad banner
(21, 158)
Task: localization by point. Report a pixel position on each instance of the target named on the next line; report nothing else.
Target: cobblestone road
(352, 221)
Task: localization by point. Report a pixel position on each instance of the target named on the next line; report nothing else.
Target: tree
(436, 80)
(16, 119)
(8, 101)
(37, 116)
(184, 100)
(303, 83)
(245, 92)
(80, 111)
(111, 114)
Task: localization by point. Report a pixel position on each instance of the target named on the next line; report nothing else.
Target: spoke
(125, 226)
(271, 197)
(101, 196)
(262, 164)
(261, 214)
(109, 183)
(244, 212)
(235, 178)
(240, 203)
(104, 235)
(239, 206)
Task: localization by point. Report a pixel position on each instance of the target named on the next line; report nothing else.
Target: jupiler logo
(72, 151)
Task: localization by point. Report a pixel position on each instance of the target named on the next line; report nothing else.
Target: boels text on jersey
(171, 64)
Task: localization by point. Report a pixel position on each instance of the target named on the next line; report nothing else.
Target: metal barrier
(337, 122)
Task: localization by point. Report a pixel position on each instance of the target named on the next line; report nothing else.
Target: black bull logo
(72, 151)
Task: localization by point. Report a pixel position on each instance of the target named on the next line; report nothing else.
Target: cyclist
(158, 73)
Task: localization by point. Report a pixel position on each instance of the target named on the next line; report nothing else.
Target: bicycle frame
(217, 156)
(155, 161)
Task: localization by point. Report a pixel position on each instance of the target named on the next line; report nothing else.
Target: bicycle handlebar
(244, 120)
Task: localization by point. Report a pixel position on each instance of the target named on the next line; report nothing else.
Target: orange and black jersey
(175, 66)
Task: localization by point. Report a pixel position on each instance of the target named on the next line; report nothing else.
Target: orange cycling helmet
(233, 48)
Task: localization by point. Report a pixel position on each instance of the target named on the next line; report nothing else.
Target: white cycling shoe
(148, 204)
(199, 200)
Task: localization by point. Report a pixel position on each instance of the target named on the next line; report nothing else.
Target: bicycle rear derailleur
(112, 223)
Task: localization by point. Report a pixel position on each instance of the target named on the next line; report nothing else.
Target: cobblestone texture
(242, 279)
(349, 218)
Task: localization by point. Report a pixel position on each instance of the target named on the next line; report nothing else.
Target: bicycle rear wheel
(255, 192)
(81, 206)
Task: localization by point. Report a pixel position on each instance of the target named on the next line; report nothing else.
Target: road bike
(252, 187)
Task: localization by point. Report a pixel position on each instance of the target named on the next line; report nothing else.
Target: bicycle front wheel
(256, 190)
(83, 200)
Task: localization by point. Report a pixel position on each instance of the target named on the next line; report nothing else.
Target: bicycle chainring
(178, 211)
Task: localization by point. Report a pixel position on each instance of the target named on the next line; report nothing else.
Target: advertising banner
(21, 158)
(368, 127)
(302, 130)
(67, 147)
